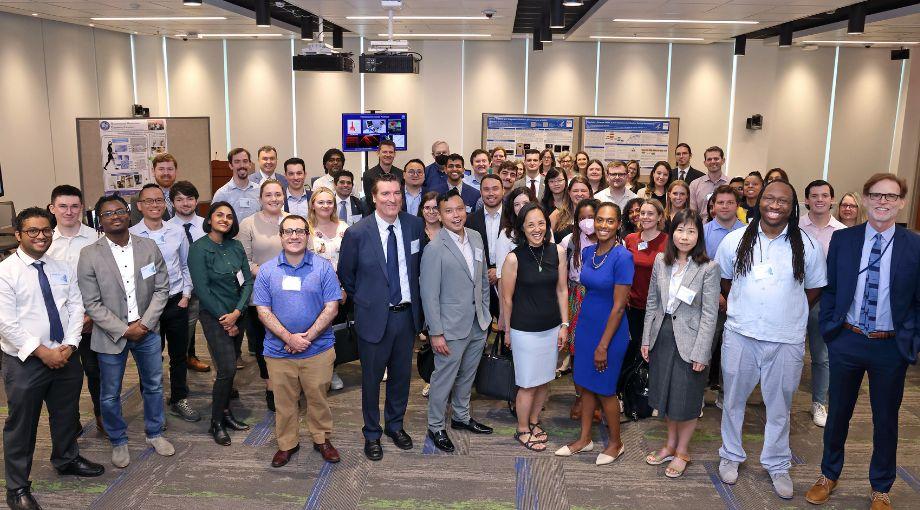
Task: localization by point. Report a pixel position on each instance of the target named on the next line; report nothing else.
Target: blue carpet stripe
(120, 479)
(429, 448)
(909, 478)
(796, 460)
(527, 497)
(725, 491)
(323, 480)
(262, 432)
(91, 424)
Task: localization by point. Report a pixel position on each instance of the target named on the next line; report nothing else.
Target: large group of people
(714, 283)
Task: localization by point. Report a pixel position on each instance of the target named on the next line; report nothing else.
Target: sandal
(540, 436)
(673, 473)
(531, 443)
(653, 458)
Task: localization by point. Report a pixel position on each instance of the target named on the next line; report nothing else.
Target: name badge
(57, 278)
(762, 271)
(148, 271)
(686, 295)
(469, 209)
(290, 283)
(477, 255)
(240, 278)
(159, 238)
(245, 202)
(414, 247)
(643, 245)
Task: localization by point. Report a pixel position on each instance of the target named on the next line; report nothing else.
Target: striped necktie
(867, 313)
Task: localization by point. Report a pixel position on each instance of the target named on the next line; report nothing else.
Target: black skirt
(675, 390)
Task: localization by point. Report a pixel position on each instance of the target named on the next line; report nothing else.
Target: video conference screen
(362, 132)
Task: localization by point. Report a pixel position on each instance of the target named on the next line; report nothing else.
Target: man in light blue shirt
(173, 245)
(241, 193)
(296, 196)
(414, 175)
(479, 160)
(725, 210)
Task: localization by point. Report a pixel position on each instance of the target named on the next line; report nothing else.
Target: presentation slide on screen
(518, 133)
(362, 132)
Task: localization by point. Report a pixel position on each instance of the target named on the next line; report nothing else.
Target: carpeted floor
(486, 472)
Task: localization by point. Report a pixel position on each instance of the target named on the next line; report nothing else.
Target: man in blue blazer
(869, 318)
(455, 173)
(379, 269)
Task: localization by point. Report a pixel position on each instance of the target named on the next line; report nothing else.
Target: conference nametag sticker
(686, 295)
(58, 278)
(240, 278)
(290, 283)
(477, 255)
(414, 247)
(762, 271)
(148, 271)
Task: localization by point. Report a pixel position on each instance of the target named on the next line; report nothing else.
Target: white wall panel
(196, 87)
(561, 79)
(633, 79)
(113, 73)
(756, 78)
(151, 80)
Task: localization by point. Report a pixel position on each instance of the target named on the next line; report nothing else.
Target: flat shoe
(673, 473)
(652, 459)
(565, 451)
(603, 459)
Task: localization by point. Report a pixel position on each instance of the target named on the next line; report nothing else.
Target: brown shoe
(329, 453)
(100, 428)
(195, 364)
(575, 412)
(821, 491)
(880, 501)
(282, 457)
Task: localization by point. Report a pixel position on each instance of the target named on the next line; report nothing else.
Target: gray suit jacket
(447, 285)
(520, 183)
(104, 292)
(694, 324)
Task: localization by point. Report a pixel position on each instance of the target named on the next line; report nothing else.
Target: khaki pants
(289, 377)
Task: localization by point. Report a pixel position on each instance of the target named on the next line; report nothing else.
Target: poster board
(645, 139)
(517, 133)
(124, 166)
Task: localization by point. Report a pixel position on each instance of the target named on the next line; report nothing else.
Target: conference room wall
(633, 79)
(196, 86)
(150, 75)
(553, 88)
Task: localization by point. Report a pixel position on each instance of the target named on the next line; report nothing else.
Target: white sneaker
(426, 390)
(337, 382)
(819, 414)
(162, 446)
(728, 471)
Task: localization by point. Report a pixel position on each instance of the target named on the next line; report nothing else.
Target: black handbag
(424, 360)
(495, 377)
(346, 342)
(635, 392)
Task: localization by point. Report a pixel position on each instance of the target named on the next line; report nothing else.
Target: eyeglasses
(888, 197)
(116, 212)
(782, 202)
(848, 206)
(288, 232)
(415, 173)
(33, 232)
(618, 174)
(152, 201)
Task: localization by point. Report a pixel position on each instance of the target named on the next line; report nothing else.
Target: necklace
(597, 265)
(539, 262)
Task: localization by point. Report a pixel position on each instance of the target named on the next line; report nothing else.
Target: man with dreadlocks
(772, 273)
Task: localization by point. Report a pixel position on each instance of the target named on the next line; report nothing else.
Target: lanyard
(876, 262)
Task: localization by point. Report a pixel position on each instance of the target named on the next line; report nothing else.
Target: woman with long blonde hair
(326, 231)
(678, 199)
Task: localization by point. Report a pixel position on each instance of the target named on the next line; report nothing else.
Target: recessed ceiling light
(690, 21)
(397, 18)
(645, 38)
(161, 18)
(191, 3)
(34, 14)
(204, 36)
(896, 43)
(573, 3)
(436, 35)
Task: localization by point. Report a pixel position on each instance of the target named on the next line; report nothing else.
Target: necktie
(57, 329)
(867, 312)
(343, 212)
(533, 186)
(393, 267)
(169, 204)
(188, 232)
(682, 175)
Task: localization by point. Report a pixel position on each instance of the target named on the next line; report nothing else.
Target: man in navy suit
(869, 318)
(379, 269)
(455, 173)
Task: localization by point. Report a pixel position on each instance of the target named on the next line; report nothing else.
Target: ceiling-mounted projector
(389, 57)
(321, 57)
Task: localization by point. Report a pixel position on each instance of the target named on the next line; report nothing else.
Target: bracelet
(564, 325)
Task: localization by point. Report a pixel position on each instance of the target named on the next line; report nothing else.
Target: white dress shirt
(767, 303)
(24, 323)
(325, 181)
(463, 244)
(124, 259)
(352, 217)
(604, 195)
(67, 249)
(503, 247)
(883, 321)
(197, 228)
(493, 226)
(677, 276)
(382, 228)
(173, 245)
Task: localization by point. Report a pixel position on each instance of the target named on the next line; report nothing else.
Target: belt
(875, 335)
(400, 307)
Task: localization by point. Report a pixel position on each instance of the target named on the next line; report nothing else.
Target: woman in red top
(644, 245)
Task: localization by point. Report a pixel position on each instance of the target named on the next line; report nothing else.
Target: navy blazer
(363, 273)
(469, 194)
(843, 259)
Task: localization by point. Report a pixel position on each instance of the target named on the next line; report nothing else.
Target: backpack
(635, 391)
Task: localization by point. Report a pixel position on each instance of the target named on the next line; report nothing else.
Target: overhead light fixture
(863, 43)
(785, 35)
(161, 18)
(537, 43)
(307, 28)
(191, 3)
(556, 19)
(573, 3)
(338, 41)
(644, 38)
(435, 35)
(740, 44)
(398, 18)
(857, 21)
(263, 13)
(34, 14)
(223, 36)
(687, 21)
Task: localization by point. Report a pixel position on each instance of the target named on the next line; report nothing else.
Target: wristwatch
(564, 325)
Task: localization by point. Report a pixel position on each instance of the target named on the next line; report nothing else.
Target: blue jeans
(148, 358)
(820, 366)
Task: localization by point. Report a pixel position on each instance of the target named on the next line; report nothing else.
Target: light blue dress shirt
(298, 205)
(883, 320)
(245, 201)
(713, 233)
(413, 202)
(383, 231)
(173, 246)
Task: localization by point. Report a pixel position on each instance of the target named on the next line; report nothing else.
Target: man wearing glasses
(125, 287)
(297, 297)
(173, 244)
(616, 190)
(165, 171)
(414, 173)
(40, 333)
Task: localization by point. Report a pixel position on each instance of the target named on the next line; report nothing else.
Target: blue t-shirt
(296, 296)
(713, 234)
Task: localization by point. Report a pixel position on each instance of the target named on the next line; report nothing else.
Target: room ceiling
(512, 18)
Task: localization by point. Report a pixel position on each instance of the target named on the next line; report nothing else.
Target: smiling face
(547, 160)
(519, 202)
(296, 175)
(714, 161)
(567, 163)
(240, 165)
(508, 176)
(682, 155)
(324, 204)
(272, 198)
(685, 237)
(165, 174)
(414, 174)
(579, 191)
(595, 172)
(634, 212)
(725, 207)
(819, 199)
(453, 214)
(492, 192)
(151, 203)
(616, 177)
(882, 210)
(344, 185)
(535, 227)
(849, 209)
(113, 216)
(222, 219)
(184, 205)
(649, 217)
(660, 176)
(480, 164)
(581, 161)
(294, 242)
(776, 204)
(388, 198)
(678, 197)
(454, 169)
(632, 170)
(386, 154)
(268, 161)
(430, 211)
(40, 227)
(557, 184)
(606, 224)
(498, 157)
(752, 187)
(67, 210)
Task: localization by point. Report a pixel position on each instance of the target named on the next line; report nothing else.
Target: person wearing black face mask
(435, 176)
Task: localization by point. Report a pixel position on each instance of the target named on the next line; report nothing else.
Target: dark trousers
(852, 355)
(174, 334)
(90, 361)
(494, 304)
(223, 357)
(255, 332)
(29, 384)
(636, 320)
(193, 307)
(715, 362)
(394, 354)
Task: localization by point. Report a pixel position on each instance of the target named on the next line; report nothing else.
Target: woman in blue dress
(602, 333)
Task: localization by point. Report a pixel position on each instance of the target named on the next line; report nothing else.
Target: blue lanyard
(876, 262)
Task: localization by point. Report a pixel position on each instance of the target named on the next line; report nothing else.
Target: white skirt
(534, 355)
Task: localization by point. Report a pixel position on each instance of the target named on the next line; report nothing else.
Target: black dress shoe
(270, 400)
(441, 441)
(473, 426)
(21, 499)
(401, 439)
(232, 423)
(81, 467)
(373, 450)
(219, 433)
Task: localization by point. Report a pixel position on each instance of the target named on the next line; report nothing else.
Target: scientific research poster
(517, 133)
(128, 147)
(645, 141)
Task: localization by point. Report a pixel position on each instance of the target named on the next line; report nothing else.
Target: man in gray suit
(125, 286)
(454, 276)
